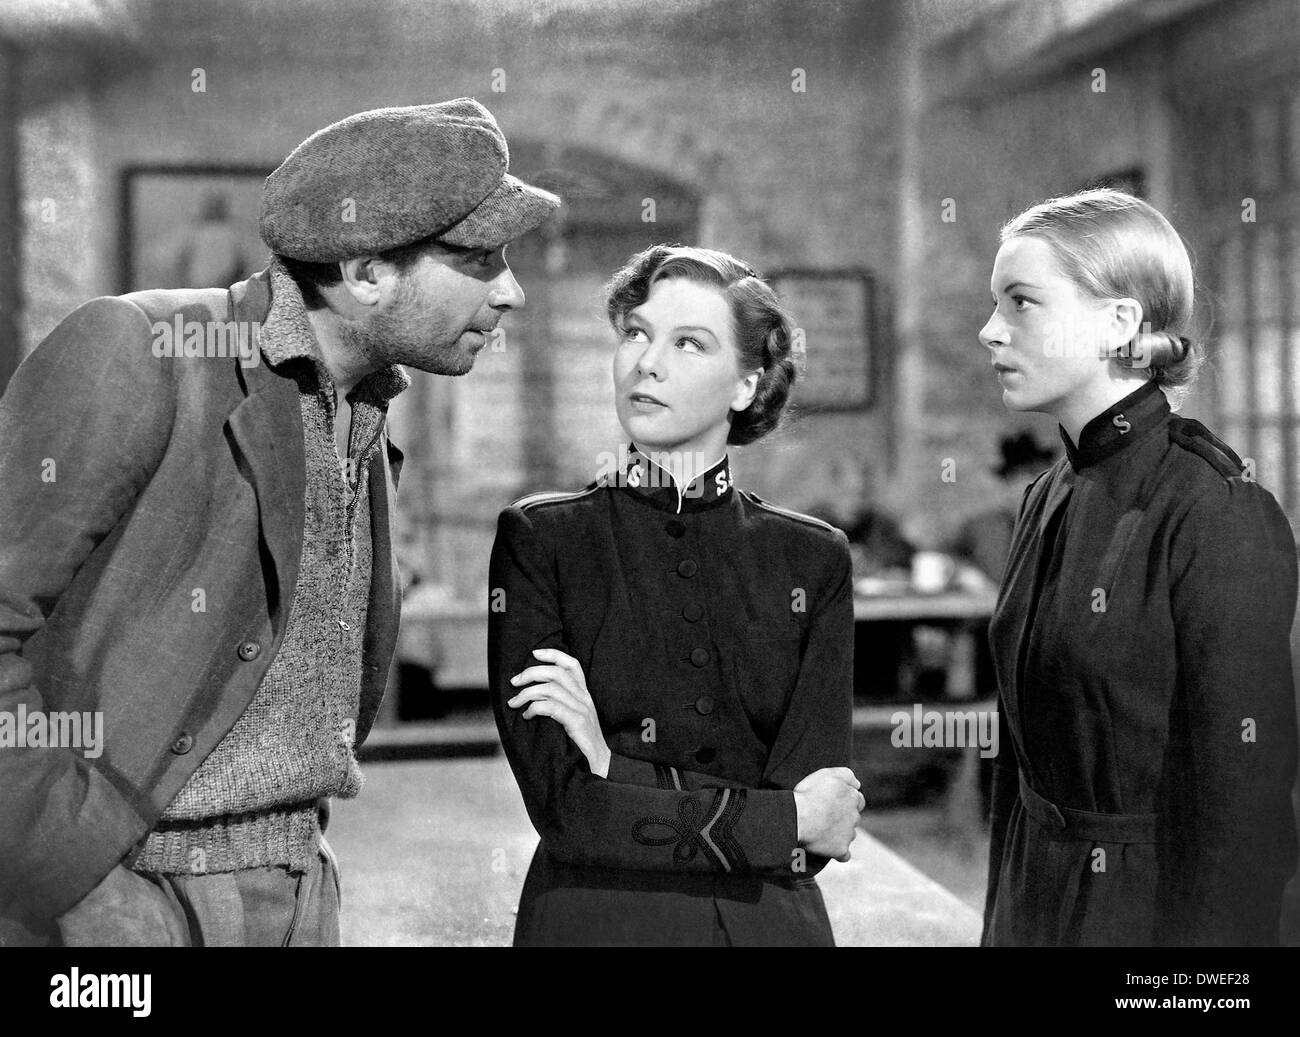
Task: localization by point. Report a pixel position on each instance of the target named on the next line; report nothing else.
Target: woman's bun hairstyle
(764, 330)
(1157, 350)
(1113, 245)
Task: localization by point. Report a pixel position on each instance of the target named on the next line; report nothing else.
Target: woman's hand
(827, 805)
(561, 694)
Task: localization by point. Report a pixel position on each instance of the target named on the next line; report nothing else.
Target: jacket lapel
(385, 604)
(267, 431)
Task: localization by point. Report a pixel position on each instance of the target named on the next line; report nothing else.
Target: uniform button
(249, 650)
(704, 705)
(688, 568)
(183, 744)
(699, 656)
(674, 528)
(693, 612)
(706, 753)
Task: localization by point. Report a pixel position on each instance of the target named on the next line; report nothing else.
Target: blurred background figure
(209, 252)
(882, 558)
(878, 545)
(985, 538)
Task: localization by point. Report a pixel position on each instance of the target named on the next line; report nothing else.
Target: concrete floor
(434, 852)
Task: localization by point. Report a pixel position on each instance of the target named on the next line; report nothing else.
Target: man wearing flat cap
(195, 543)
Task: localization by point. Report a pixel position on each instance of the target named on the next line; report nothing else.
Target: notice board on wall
(834, 316)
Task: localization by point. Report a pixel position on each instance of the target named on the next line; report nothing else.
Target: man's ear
(745, 392)
(362, 279)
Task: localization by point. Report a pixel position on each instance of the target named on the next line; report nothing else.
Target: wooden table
(948, 605)
(967, 612)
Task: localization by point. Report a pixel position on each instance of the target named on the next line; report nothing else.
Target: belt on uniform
(1086, 824)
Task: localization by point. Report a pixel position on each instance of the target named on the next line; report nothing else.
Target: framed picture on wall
(190, 226)
(834, 310)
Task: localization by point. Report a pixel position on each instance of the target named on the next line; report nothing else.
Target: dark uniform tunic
(1141, 640)
(715, 632)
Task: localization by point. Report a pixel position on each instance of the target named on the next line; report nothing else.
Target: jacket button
(249, 650)
(704, 705)
(699, 656)
(693, 612)
(674, 529)
(688, 568)
(183, 744)
(706, 753)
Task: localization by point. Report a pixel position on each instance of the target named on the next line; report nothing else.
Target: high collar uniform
(715, 632)
(1141, 640)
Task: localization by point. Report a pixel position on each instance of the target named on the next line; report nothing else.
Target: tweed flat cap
(392, 176)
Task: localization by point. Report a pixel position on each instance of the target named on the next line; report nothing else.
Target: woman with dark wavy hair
(670, 656)
(1141, 636)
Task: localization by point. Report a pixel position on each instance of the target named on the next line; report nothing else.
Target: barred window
(1247, 182)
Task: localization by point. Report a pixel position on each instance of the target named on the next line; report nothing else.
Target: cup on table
(932, 571)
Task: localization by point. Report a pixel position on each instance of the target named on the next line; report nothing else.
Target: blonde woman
(1141, 637)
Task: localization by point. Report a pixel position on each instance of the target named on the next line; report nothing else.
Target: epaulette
(1191, 435)
(533, 500)
(798, 516)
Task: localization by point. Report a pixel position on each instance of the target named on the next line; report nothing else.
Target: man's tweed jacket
(128, 481)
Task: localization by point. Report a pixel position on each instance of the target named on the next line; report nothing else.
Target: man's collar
(1118, 426)
(288, 335)
(655, 485)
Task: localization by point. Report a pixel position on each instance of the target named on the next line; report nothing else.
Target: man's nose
(506, 293)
